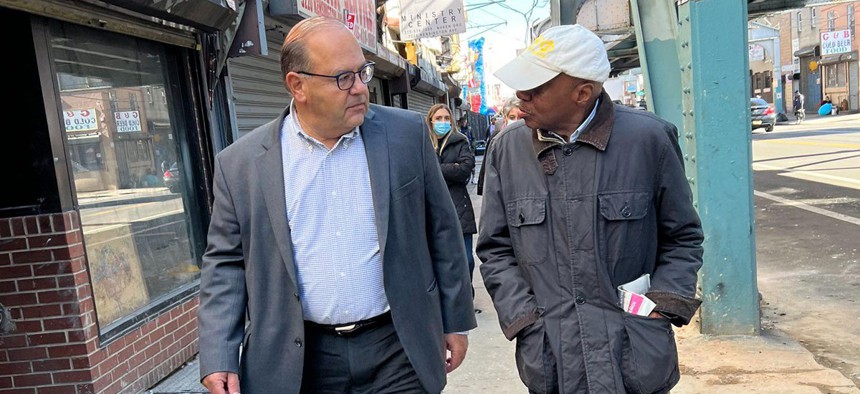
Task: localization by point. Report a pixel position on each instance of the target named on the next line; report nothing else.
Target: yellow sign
(813, 65)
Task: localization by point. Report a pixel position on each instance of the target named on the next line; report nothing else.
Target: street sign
(127, 121)
(835, 42)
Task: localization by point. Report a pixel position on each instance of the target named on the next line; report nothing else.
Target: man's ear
(296, 85)
(583, 93)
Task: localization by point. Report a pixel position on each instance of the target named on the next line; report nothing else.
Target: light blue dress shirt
(333, 226)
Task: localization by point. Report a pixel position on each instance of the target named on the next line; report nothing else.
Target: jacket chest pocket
(526, 221)
(623, 228)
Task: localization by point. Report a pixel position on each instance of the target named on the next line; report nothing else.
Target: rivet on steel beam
(687, 18)
(689, 66)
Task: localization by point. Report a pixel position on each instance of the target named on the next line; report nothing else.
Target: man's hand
(224, 382)
(656, 315)
(456, 344)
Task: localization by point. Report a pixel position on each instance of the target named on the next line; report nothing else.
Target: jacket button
(298, 342)
(298, 298)
(580, 299)
(567, 151)
(522, 218)
(625, 211)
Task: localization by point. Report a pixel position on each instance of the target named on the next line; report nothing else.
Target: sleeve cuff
(677, 308)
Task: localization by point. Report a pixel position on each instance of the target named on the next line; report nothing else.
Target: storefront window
(123, 144)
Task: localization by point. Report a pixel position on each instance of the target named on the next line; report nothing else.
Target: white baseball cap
(570, 49)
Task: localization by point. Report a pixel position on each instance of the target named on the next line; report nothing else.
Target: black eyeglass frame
(339, 76)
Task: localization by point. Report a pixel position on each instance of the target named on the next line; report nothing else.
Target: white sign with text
(80, 120)
(835, 42)
(431, 18)
(127, 121)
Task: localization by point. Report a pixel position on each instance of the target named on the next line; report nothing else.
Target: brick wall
(55, 347)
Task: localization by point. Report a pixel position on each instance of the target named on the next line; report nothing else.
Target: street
(807, 204)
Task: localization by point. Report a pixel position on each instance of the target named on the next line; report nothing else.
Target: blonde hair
(429, 120)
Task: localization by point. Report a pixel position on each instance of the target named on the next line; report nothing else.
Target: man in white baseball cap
(581, 197)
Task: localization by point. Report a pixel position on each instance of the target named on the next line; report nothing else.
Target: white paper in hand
(631, 296)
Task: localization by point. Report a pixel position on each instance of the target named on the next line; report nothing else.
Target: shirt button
(580, 299)
(333, 193)
(298, 342)
(567, 151)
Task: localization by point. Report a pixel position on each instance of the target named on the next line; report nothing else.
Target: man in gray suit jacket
(335, 255)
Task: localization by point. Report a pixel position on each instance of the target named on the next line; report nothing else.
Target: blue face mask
(441, 128)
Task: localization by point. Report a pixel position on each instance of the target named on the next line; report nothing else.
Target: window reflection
(124, 154)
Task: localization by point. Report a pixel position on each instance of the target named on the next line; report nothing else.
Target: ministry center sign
(431, 18)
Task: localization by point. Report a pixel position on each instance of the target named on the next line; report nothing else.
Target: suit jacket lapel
(375, 137)
(271, 169)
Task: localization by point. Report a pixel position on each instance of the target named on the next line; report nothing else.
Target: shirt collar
(594, 131)
(345, 140)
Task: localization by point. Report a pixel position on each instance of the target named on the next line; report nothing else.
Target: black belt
(350, 329)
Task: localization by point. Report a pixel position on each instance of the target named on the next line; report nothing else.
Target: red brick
(80, 363)
(31, 225)
(67, 350)
(5, 383)
(5, 258)
(66, 281)
(16, 368)
(17, 226)
(72, 377)
(71, 309)
(52, 268)
(32, 256)
(47, 241)
(75, 220)
(18, 299)
(5, 230)
(36, 284)
(39, 379)
(59, 223)
(41, 311)
(30, 353)
(45, 224)
(86, 389)
(50, 338)
(19, 391)
(13, 341)
(3, 356)
(81, 277)
(70, 252)
(8, 287)
(78, 265)
(69, 389)
(15, 271)
(57, 296)
(13, 244)
(84, 291)
(97, 357)
(76, 336)
(59, 364)
(62, 323)
(28, 326)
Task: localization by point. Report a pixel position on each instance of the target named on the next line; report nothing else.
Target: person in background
(335, 258)
(457, 162)
(510, 114)
(580, 197)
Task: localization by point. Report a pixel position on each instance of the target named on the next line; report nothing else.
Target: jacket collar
(596, 134)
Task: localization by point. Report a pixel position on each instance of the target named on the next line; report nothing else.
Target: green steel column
(656, 31)
(712, 37)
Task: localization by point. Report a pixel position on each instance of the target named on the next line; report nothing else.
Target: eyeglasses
(346, 79)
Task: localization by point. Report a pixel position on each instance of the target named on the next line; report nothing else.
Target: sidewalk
(770, 363)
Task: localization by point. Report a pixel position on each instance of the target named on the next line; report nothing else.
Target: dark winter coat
(563, 224)
(457, 162)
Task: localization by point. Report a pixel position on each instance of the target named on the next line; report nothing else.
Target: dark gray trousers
(372, 361)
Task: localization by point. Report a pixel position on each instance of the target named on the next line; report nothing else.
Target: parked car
(763, 114)
(173, 178)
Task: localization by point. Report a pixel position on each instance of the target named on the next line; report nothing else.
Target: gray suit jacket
(248, 267)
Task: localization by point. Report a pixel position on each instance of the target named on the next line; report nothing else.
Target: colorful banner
(361, 14)
(477, 87)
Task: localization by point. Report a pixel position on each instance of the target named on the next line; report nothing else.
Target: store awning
(833, 59)
(812, 50)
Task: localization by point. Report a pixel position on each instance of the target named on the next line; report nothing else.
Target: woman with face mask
(457, 162)
(510, 114)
